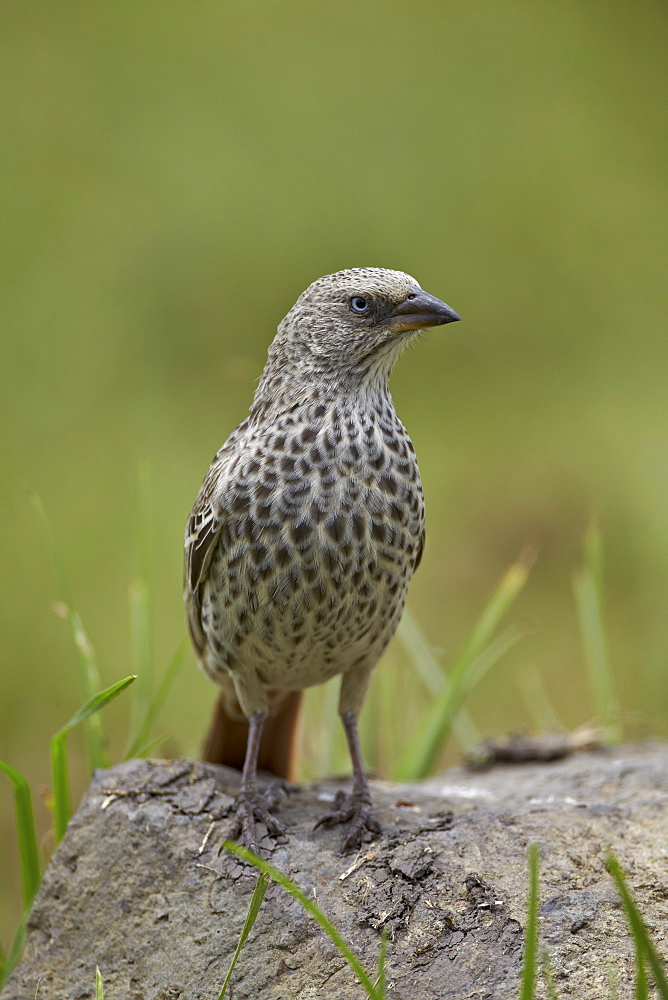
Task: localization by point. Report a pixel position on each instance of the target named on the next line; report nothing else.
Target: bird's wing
(202, 530)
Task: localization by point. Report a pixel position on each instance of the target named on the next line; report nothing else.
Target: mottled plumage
(310, 522)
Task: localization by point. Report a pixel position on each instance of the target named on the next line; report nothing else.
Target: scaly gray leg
(250, 805)
(355, 807)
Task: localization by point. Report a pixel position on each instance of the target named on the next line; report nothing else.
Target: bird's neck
(286, 386)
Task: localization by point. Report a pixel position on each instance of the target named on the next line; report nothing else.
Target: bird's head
(360, 319)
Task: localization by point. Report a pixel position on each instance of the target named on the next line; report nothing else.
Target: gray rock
(138, 886)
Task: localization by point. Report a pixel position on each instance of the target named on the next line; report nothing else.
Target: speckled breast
(323, 527)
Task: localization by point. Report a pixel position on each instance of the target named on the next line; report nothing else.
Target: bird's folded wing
(202, 530)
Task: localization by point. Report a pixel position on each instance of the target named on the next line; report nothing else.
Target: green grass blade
(491, 654)
(511, 584)
(592, 544)
(15, 951)
(474, 659)
(97, 702)
(60, 779)
(95, 751)
(641, 987)
(99, 986)
(587, 585)
(59, 771)
(137, 747)
(381, 978)
(147, 749)
(312, 909)
(26, 835)
(531, 932)
(433, 676)
(251, 917)
(52, 548)
(422, 753)
(645, 950)
(90, 677)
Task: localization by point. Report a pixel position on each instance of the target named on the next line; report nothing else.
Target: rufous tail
(226, 739)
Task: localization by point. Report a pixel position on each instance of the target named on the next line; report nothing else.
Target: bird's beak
(420, 309)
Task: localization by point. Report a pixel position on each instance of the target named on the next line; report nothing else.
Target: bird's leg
(355, 807)
(250, 805)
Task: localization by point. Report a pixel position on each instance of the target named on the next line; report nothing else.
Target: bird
(306, 532)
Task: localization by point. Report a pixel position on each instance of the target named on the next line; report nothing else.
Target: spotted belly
(311, 600)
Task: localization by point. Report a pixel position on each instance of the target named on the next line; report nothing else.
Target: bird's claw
(249, 807)
(357, 810)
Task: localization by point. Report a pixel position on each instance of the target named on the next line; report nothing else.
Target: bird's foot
(250, 807)
(357, 810)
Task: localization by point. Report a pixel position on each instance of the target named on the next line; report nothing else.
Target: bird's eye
(358, 304)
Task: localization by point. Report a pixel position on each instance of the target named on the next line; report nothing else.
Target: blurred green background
(174, 175)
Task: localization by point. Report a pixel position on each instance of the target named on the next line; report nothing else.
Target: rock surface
(138, 886)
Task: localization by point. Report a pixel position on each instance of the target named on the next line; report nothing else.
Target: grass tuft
(481, 651)
(434, 677)
(61, 783)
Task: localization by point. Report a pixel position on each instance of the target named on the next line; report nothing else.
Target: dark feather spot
(358, 525)
(282, 556)
(336, 528)
(397, 513)
(240, 503)
(330, 561)
(301, 535)
(378, 531)
(388, 484)
(263, 511)
(259, 554)
(315, 513)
